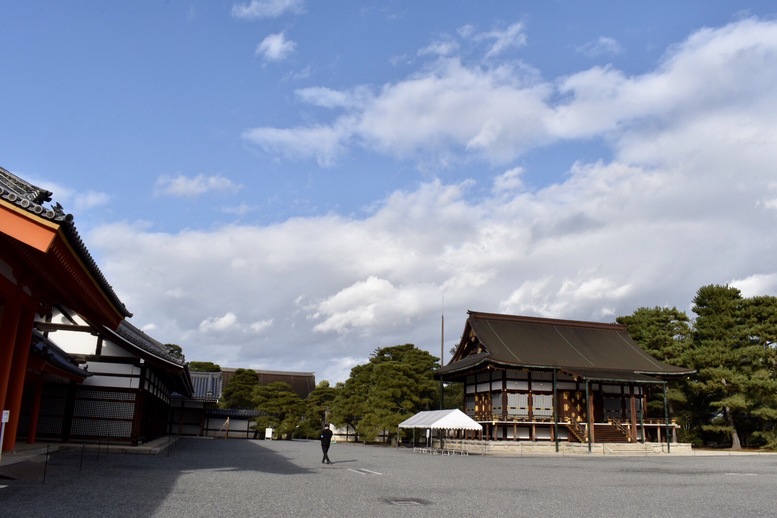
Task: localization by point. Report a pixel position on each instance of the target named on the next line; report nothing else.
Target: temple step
(609, 433)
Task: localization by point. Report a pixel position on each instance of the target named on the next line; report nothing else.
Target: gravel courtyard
(243, 478)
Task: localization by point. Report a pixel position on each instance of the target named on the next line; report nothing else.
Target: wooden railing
(617, 424)
(575, 429)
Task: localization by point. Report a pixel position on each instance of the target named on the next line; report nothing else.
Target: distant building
(71, 365)
(127, 394)
(199, 415)
(539, 379)
(302, 383)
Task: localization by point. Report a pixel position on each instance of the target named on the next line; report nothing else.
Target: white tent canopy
(453, 419)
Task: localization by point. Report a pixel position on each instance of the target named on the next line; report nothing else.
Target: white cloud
(443, 47)
(682, 203)
(258, 9)
(324, 143)
(495, 114)
(757, 284)
(223, 323)
(509, 182)
(187, 187)
(275, 47)
(512, 37)
(261, 325)
(71, 198)
(328, 98)
(601, 47)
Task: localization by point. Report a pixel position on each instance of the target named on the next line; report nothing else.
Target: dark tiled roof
(141, 340)
(207, 385)
(591, 349)
(32, 199)
(47, 350)
(302, 383)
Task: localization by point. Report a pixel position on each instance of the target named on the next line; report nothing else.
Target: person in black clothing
(326, 440)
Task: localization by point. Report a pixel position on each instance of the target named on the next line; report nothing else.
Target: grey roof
(592, 350)
(207, 385)
(132, 338)
(146, 342)
(47, 350)
(32, 199)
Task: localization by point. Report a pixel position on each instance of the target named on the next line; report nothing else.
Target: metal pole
(45, 463)
(555, 410)
(442, 350)
(588, 415)
(666, 417)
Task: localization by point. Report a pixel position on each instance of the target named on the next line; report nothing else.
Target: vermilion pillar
(18, 370)
(38, 396)
(8, 330)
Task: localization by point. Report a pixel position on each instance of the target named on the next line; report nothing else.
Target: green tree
(175, 350)
(317, 407)
(760, 320)
(453, 395)
(204, 367)
(396, 383)
(283, 408)
(238, 392)
(665, 333)
(733, 352)
(350, 403)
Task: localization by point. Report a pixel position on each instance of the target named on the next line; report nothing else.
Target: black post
(666, 417)
(555, 410)
(588, 415)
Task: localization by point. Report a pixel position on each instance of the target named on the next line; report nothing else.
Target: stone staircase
(608, 433)
(541, 448)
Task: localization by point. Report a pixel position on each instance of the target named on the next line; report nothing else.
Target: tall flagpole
(442, 348)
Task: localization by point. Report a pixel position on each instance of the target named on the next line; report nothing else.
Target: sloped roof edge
(453, 419)
(31, 199)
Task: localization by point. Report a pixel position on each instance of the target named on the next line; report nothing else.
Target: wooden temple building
(71, 365)
(538, 379)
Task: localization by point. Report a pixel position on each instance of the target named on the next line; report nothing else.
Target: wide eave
(589, 350)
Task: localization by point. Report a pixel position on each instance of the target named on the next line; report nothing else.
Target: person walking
(326, 440)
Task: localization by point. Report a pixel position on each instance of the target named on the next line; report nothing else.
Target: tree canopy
(239, 390)
(731, 345)
(396, 383)
(283, 409)
(204, 367)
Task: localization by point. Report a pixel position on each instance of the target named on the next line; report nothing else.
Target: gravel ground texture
(246, 478)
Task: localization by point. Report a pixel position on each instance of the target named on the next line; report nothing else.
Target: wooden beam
(34, 232)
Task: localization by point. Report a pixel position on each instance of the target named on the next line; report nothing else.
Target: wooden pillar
(17, 372)
(555, 409)
(633, 403)
(35, 413)
(9, 324)
(589, 404)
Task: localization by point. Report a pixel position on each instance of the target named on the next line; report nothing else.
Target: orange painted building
(45, 267)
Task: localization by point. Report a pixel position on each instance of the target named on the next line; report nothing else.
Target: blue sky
(289, 185)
